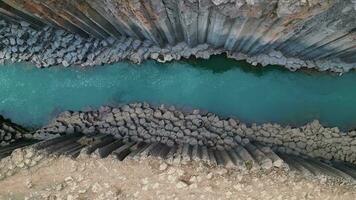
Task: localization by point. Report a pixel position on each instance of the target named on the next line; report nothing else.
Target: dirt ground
(91, 178)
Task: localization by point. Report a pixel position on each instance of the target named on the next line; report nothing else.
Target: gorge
(266, 84)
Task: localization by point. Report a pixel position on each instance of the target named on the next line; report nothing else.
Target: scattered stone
(68, 179)
(82, 191)
(96, 188)
(209, 176)
(59, 187)
(29, 184)
(145, 181)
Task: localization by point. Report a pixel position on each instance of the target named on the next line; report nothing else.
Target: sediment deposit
(314, 34)
(111, 179)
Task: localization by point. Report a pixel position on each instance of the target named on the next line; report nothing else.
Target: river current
(32, 97)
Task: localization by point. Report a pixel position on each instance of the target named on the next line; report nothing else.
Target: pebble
(145, 181)
(96, 188)
(209, 176)
(163, 167)
(193, 179)
(68, 179)
(29, 184)
(59, 187)
(181, 185)
(82, 191)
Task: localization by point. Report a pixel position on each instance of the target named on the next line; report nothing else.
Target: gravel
(22, 158)
(89, 178)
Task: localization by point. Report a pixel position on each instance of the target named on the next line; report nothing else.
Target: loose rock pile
(50, 46)
(10, 132)
(21, 158)
(143, 122)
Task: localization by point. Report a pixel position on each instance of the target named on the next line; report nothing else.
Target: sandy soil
(90, 178)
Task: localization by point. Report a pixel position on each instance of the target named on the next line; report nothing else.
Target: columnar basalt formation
(49, 46)
(246, 157)
(142, 122)
(10, 132)
(294, 33)
(140, 132)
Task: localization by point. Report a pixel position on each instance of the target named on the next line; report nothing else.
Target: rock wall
(294, 33)
(142, 122)
(49, 46)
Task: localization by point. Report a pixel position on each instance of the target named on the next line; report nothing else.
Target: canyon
(240, 93)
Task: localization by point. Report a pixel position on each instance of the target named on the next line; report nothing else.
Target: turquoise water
(32, 96)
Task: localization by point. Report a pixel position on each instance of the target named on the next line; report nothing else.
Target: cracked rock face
(314, 34)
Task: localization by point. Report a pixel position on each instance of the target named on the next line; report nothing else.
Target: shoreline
(197, 127)
(203, 128)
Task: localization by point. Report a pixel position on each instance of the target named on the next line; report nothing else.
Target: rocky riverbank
(143, 122)
(49, 46)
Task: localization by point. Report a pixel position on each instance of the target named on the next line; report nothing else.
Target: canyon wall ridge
(295, 33)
